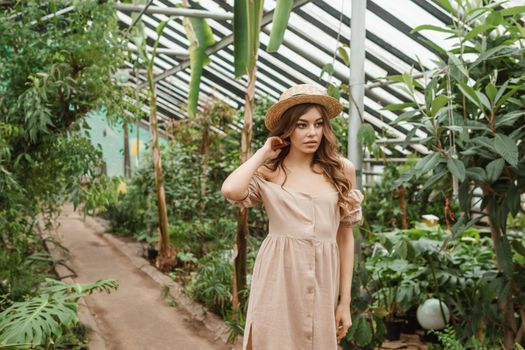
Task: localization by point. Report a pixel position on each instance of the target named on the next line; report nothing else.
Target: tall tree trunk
(403, 205)
(138, 144)
(242, 219)
(127, 162)
(506, 305)
(166, 256)
(205, 153)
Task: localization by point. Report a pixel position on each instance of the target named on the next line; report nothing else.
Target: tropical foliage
(53, 71)
(472, 110)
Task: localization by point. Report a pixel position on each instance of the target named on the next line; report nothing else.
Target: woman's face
(308, 131)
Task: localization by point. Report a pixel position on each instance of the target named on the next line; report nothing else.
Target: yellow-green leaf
(279, 24)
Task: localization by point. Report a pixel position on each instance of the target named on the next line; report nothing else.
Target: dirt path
(135, 316)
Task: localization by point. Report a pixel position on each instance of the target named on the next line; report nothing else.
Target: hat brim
(275, 112)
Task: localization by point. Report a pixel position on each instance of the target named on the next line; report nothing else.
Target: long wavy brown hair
(327, 155)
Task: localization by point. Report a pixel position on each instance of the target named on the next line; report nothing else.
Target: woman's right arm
(235, 187)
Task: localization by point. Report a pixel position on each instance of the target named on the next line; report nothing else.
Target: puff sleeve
(254, 195)
(356, 213)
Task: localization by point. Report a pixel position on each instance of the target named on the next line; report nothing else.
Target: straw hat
(297, 94)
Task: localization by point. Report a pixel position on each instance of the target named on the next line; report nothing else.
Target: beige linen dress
(295, 284)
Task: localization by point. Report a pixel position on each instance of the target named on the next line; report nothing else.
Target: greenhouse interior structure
(251, 174)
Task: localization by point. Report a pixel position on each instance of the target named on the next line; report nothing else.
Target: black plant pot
(409, 326)
(152, 253)
(430, 338)
(393, 329)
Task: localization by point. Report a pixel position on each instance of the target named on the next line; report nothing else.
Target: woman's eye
(304, 125)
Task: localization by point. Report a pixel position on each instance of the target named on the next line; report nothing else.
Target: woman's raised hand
(273, 146)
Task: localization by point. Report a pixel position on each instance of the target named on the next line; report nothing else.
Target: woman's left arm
(345, 242)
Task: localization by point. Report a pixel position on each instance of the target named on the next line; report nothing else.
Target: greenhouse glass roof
(316, 29)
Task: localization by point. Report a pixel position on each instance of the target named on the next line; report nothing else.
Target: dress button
(310, 289)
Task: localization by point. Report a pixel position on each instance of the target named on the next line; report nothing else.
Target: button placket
(310, 293)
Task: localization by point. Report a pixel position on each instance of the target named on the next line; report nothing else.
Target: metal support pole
(180, 54)
(173, 11)
(357, 83)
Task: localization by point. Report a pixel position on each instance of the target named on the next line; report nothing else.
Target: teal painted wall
(110, 137)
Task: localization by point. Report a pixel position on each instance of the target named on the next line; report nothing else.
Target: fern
(44, 318)
(448, 338)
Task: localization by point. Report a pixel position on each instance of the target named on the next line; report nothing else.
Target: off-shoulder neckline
(298, 192)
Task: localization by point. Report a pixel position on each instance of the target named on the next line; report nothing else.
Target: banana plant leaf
(283, 8)
(201, 37)
(246, 28)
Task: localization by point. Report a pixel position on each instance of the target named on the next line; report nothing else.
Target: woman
(308, 192)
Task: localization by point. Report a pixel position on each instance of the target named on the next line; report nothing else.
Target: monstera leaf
(44, 318)
(36, 321)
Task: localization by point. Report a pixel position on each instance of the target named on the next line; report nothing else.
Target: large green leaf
(513, 199)
(363, 334)
(42, 319)
(77, 290)
(455, 61)
(494, 169)
(465, 196)
(477, 174)
(279, 24)
(343, 53)
(37, 321)
(504, 255)
(159, 30)
(483, 99)
(240, 36)
(511, 11)
(199, 29)
(433, 28)
(485, 55)
(446, 5)
(457, 168)
(491, 91)
(433, 179)
(255, 11)
(518, 247)
(427, 163)
(477, 30)
(462, 225)
(509, 119)
(470, 93)
(399, 106)
(366, 134)
(507, 148)
(485, 142)
(438, 103)
(246, 28)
